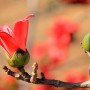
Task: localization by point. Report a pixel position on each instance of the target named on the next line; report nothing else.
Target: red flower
(13, 39)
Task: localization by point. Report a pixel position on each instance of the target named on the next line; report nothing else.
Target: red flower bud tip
(30, 15)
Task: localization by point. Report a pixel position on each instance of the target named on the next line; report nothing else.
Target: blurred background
(54, 40)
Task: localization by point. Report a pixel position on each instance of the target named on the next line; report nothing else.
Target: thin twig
(57, 83)
(34, 73)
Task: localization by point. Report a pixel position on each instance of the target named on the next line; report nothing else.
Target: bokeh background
(54, 40)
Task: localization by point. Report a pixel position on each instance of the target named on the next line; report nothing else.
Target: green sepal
(19, 58)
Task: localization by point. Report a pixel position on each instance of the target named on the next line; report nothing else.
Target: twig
(34, 73)
(25, 77)
(57, 83)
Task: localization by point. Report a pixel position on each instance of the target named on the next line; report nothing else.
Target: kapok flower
(13, 41)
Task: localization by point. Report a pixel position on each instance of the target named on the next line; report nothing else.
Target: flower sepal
(19, 59)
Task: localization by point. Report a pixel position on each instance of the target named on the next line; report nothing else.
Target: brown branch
(57, 83)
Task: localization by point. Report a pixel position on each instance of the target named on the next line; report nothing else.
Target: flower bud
(86, 42)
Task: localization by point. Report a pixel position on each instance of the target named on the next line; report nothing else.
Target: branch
(33, 79)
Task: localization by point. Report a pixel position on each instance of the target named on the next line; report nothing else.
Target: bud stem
(21, 69)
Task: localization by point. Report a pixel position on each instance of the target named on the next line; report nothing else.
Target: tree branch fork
(33, 79)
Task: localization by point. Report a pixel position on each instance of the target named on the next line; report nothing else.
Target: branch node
(17, 75)
(5, 68)
(42, 76)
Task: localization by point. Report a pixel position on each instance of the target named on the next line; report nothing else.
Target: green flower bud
(86, 43)
(19, 59)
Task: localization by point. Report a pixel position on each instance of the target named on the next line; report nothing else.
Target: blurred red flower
(57, 55)
(75, 76)
(61, 30)
(63, 25)
(2, 88)
(61, 42)
(47, 70)
(60, 37)
(10, 80)
(39, 50)
(44, 87)
(13, 39)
